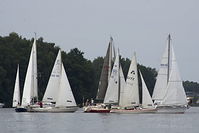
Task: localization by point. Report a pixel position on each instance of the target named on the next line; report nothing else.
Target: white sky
(136, 25)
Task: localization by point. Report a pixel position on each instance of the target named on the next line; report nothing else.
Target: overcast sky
(136, 25)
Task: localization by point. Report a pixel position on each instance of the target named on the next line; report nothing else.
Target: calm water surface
(12, 122)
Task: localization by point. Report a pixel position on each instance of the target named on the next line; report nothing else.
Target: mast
(119, 81)
(168, 68)
(110, 58)
(35, 74)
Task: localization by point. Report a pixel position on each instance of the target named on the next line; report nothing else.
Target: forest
(83, 74)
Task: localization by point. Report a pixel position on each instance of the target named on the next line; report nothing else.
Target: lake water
(12, 122)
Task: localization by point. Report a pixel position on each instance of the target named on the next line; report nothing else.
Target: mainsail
(30, 90)
(58, 90)
(163, 74)
(175, 94)
(131, 90)
(105, 74)
(16, 95)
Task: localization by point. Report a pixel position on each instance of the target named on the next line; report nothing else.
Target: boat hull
(21, 109)
(93, 109)
(133, 111)
(1, 105)
(54, 109)
(171, 109)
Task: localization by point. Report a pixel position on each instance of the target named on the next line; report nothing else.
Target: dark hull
(21, 110)
(98, 111)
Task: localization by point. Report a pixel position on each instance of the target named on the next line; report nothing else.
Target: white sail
(122, 85)
(131, 90)
(52, 89)
(113, 49)
(175, 94)
(16, 95)
(30, 86)
(146, 98)
(34, 78)
(162, 78)
(112, 92)
(65, 96)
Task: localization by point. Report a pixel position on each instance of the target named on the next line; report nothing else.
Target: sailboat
(174, 98)
(163, 75)
(131, 90)
(147, 102)
(1, 105)
(16, 94)
(30, 91)
(103, 82)
(113, 88)
(112, 95)
(130, 97)
(58, 96)
(106, 73)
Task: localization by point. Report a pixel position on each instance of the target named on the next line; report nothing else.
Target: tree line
(83, 74)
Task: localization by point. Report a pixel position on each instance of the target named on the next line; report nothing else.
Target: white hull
(96, 109)
(133, 111)
(1, 105)
(54, 109)
(171, 109)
